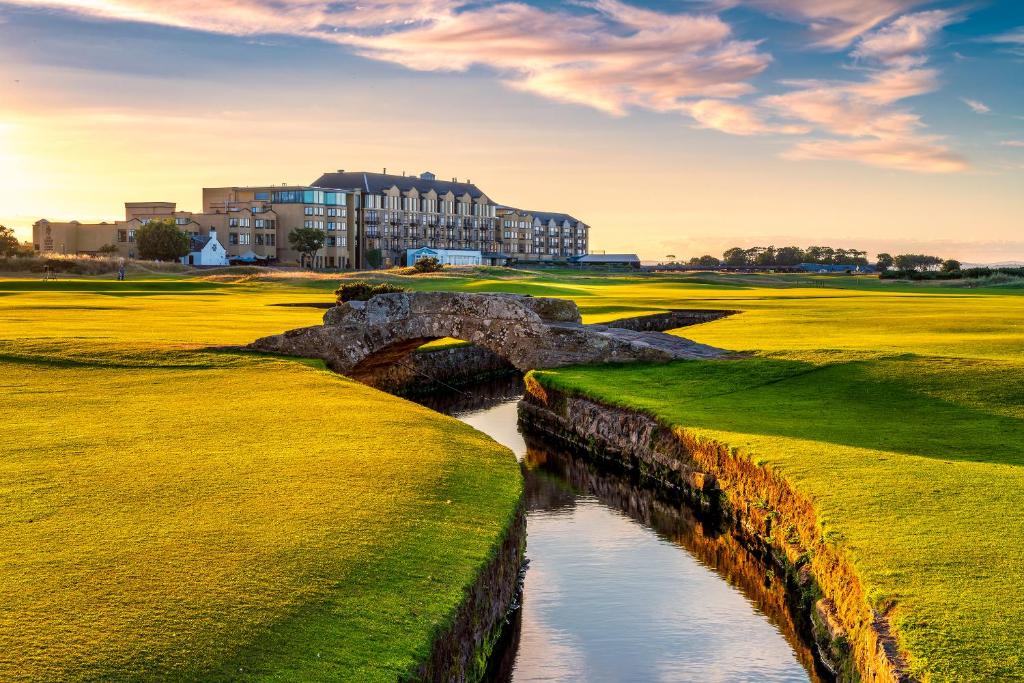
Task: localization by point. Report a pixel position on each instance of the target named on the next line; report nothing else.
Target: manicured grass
(900, 412)
(168, 512)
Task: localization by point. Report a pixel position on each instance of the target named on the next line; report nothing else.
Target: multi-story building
(542, 235)
(369, 219)
(400, 212)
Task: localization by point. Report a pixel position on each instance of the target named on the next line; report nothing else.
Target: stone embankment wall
(761, 507)
(460, 651)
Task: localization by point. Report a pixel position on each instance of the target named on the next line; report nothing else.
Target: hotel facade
(369, 219)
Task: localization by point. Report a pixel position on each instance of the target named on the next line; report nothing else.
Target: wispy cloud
(918, 154)
(617, 57)
(976, 106)
(835, 23)
(1012, 143)
(871, 126)
(604, 54)
(1015, 36)
(903, 41)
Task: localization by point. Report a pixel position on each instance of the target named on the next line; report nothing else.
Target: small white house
(206, 251)
(447, 257)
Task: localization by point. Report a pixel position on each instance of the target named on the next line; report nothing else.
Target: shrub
(161, 240)
(427, 264)
(360, 290)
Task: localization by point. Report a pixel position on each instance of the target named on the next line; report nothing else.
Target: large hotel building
(368, 218)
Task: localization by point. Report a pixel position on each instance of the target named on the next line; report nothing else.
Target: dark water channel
(624, 586)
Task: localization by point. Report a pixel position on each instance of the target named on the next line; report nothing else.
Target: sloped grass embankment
(174, 513)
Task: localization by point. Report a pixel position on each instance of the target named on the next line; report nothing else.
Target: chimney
(385, 170)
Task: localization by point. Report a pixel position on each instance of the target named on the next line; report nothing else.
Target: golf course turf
(175, 513)
(172, 509)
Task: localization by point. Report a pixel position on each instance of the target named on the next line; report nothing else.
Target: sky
(675, 127)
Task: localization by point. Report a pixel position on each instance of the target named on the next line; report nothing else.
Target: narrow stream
(623, 586)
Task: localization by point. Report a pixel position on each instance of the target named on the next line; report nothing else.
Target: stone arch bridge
(360, 338)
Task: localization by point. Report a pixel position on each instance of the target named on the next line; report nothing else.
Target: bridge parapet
(357, 338)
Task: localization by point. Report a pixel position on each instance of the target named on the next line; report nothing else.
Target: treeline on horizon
(738, 257)
(900, 266)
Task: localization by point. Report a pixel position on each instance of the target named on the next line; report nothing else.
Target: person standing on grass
(120, 269)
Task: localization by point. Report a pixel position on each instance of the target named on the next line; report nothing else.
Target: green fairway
(901, 413)
(277, 511)
(174, 513)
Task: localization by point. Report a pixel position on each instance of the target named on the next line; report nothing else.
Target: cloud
(921, 155)
(1016, 36)
(735, 119)
(835, 23)
(902, 41)
(605, 54)
(855, 109)
(1012, 143)
(976, 106)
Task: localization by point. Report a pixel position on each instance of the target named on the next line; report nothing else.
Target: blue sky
(888, 124)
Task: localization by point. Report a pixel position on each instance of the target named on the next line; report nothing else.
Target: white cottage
(206, 251)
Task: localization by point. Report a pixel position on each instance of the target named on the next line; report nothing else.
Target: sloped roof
(546, 216)
(609, 258)
(197, 243)
(376, 183)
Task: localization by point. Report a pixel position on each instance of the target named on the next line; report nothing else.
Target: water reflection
(623, 586)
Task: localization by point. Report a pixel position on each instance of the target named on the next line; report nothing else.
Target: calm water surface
(622, 586)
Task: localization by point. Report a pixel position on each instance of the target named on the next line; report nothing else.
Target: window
(181, 220)
(307, 224)
(330, 242)
(271, 240)
(244, 238)
(258, 209)
(233, 238)
(122, 235)
(259, 240)
(244, 222)
(131, 235)
(262, 196)
(261, 223)
(308, 211)
(232, 222)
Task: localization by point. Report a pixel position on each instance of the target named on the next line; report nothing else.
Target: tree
(736, 257)
(160, 240)
(708, 261)
(950, 266)
(374, 258)
(884, 261)
(9, 245)
(427, 264)
(920, 262)
(307, 241)
(789, 256)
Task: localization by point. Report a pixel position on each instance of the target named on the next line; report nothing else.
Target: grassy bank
(897, 407)
(167, 512)
(900, 412)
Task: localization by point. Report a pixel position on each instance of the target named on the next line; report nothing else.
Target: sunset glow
(679, 128)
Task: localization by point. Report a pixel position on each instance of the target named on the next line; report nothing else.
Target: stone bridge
(360, 338)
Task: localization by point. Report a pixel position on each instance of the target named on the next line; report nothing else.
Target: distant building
(447, 257)
(607, 261)
(368, 218)
(205, 251)
(835, 268)
(528, 235)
